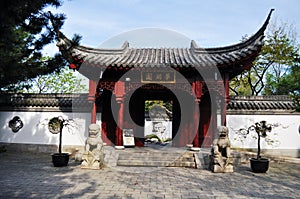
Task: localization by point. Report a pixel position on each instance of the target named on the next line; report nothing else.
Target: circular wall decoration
(15, 124)
(54, 125)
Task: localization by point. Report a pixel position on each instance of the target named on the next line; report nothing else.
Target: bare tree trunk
(258, 147)
(60, 137)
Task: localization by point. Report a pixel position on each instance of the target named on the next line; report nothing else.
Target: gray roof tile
(260, 103)
(68, 101)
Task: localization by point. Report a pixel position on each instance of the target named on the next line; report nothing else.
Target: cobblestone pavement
(33, 176)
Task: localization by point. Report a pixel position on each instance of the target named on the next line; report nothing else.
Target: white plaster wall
(287, 133)
(35, 129)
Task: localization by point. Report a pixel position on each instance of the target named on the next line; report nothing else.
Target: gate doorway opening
(151, 112)
(158, 122)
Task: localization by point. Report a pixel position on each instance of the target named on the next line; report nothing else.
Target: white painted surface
(35, 129)
(287, 133)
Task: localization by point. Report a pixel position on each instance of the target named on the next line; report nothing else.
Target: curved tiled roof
(240, 55)
(161, 57)
(265, 104)
(45, 102)
(79, 102)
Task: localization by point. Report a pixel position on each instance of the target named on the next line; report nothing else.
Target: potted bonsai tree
(258, 164)
(55, 126)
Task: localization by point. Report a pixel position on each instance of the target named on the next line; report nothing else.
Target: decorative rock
(78, 155)
(221, 160)
(93, 157)
(154, 140)
(119, 147)
(195, 149)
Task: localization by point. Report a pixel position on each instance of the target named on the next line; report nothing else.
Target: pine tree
(25, 28)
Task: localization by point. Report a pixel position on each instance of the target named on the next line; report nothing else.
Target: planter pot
(259, 166)
(60, 159)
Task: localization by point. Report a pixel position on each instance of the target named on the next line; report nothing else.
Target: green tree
(25, 28)
(279, 53)
(282, 50)
(290, 85)
(167, 104)
(240, 86)
(64, 81)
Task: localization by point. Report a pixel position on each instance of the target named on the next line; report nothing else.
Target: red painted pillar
(94, 113)
(120, 123)
(227, 98)
(92, 99)
(196, 124)
(120, 92)
(197, 87)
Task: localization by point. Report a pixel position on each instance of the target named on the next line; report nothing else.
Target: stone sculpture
(221, 160)
(93, 157)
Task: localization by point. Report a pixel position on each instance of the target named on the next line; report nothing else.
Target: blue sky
(210, 23)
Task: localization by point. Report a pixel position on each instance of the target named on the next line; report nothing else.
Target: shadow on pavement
(25, 175)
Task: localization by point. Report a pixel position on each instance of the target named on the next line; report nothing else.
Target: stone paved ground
(33, 176)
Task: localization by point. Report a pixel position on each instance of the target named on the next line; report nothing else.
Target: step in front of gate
(157, 159)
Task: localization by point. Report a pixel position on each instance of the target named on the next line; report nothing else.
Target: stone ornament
(221, 160)
(93, 156)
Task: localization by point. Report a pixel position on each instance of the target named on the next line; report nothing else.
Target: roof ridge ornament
(125, 45)
(194, 45)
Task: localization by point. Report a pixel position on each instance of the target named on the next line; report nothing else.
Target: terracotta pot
(60, 159)
(259, 165)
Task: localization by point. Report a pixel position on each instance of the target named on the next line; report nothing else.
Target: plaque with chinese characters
(158, 77)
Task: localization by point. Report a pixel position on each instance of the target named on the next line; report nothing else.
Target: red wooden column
(197, 88)
(196, 124)
(92, 99)
(226, 98)
(119, 93)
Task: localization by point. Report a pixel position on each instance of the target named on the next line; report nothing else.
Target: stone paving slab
(26, 175)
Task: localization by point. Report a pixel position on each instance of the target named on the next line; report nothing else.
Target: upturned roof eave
(216, 50)
(228, 55)
(258, 36)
